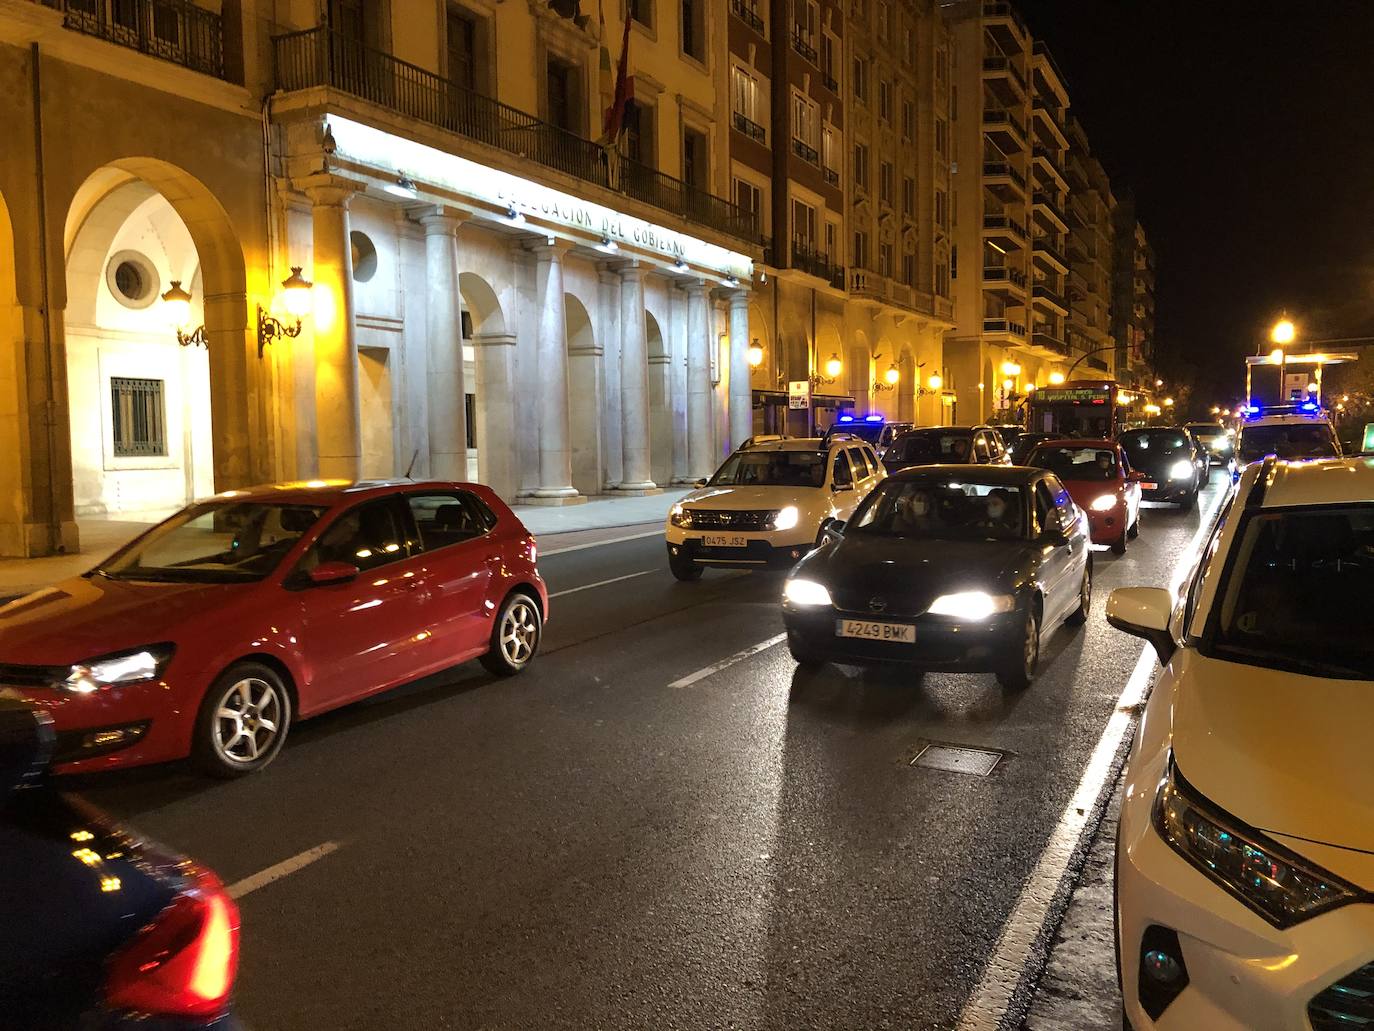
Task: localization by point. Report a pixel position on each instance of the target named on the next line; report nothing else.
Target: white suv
(768, 503)
(1292, 436)
(1245, 850)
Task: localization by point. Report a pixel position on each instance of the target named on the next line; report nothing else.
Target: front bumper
(760, 552)
(1107, 527)
(941, 645)
(1242, 972)
(1169, 490)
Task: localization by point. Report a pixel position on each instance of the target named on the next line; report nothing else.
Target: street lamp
(1283, 332)
(1056, 378)
(1168, 402)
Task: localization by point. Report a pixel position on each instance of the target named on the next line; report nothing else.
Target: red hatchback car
(1099, 479)
(209, 634)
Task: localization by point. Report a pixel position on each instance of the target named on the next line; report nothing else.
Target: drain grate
(977, 762)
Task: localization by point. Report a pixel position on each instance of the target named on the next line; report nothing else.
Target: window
(696, 163)
(832, 242)
(908, 196)
(367, 536)
(884, 20)
(830, 46)
(140, 423)
(803, 225)
(561, 87)
(942, 279)
(885, 177)
(909, 268)
(860, 80)
(694, 29)
(861, 165)
(639, 133)
(885, 259)
(449, 518)
(641, 11)
(942, 137)
(750, 198)
(908, 119)
(462, 48)
(805, 126)
(746, 102)
(860, 249)
(941, 209)
(806, 22)
(885, 100)
(830, 150)
(843, 475)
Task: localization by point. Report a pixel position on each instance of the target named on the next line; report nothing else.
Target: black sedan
(1173, 467)
(945, 568)
(99, 929)
(946, 445)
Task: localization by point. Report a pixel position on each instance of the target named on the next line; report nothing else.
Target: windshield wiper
(1309, 665)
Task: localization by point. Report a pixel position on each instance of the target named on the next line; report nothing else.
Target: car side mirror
(327, 573)
(698, 483)
(832, 531)
(1135, 476)
(1144, 612)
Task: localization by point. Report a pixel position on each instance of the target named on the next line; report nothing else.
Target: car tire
(1018, 670)
(242, 722)
(1188, 503)
(515, 635)
(683, 568)
(801, 655)
(1133, 531)
(1119, 545)
(1079, 615)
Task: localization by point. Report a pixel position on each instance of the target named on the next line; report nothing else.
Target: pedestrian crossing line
(726, 663)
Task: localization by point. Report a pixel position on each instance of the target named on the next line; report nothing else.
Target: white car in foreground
(1245, 851)
(768, 502)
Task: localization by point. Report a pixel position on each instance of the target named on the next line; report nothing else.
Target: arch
(660, 402)
(482, 305)
(13, 431)
(486, 379)
(584, 397)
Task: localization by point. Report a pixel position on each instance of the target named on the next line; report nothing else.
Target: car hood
(83, 617)
(1283, 752)
(907, 575)
(735, 499)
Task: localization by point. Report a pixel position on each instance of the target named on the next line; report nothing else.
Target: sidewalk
(576, 524)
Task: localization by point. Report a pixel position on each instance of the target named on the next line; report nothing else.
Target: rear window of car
(1076, 463)
(928, 447)
(1143, 445)
(1294, 440)
(1297, 593)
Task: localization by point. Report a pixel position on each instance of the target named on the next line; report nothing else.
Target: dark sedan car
(1173, 468)
(945, 568)
(946, 445)
(1024, 444)
(100, 930)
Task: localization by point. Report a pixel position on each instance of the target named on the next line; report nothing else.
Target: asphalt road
(586, 846)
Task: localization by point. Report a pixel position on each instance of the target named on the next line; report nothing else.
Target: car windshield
(1208, 432)
(1296, 440)
(772, 469)
(869, 431)
(1147, 447)
(953, 510)
(1299, 593)
(929, 447)
(1077, 463)
(215, 542)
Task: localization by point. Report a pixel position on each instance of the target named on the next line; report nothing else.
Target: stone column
(338, 411)
(612, 457)
(555, 428)
(741, 395)
(677, 382)
(448, 436)
(700, 454)
(634, 384)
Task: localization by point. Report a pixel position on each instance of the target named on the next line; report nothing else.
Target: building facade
(492, 294)
(1092, 213)
(1133, 304)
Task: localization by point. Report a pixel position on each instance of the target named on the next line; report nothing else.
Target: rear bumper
(940, 646)
(1170, 490)
(757, 554)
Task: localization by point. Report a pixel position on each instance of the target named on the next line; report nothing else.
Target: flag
(624, 91)
(607, 84)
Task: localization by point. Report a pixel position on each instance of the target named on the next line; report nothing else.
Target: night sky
(1247, 133)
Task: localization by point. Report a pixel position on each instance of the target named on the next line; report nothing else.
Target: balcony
(1044, 296)
(1048, 254)
(999, 279)
(1004, 128)
(1050, 162)
(1002, 21)
(1003, 77)
(1004, 328)
(1003, 180)
(804, 47)
(830, 83)
(863, 283)
(1047, 345)
(831, 176)
(1047, 206)
(744, 11)
(1005, 230)
(750, 128)
(172, 30)
(1049, 123)
(944, 309)
(321, 58)
(805, 151)
(805, 258)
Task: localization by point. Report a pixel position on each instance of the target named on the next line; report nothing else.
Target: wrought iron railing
(1002, 274)
(1004, 326)
(750, 128)
(998, 169)
(320, 57)
(745, 12)
(805, 151)
(803, 46)
(173, 30)
(831, 176)
(805, 258)
(829, 82)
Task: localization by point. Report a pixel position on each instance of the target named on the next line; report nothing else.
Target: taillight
(182, 964)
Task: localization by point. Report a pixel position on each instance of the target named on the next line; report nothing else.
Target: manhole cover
(978, 762)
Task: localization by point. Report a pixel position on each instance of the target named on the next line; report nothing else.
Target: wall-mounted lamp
(296, 300)
(833, 367)
(178, 303)
(755, 354)
(1011, 369)
(890, 378)
(1056, 378)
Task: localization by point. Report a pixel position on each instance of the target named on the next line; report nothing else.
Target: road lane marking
(601, 583)
(598, 544)
(726, 663)
(283, 869)
(1025, 931)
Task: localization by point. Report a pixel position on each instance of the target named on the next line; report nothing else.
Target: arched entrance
(660, 407)
(487, 377)
(12, 430)
(584, 407)
(155, 423)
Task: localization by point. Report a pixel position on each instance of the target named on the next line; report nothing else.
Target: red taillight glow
(182, 964)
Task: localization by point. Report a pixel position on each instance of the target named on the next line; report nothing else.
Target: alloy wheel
(519, 632)
(248, 720)
(1031, 652)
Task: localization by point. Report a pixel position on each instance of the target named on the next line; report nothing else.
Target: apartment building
(1133, 302)
(838, 110)
(1092, 209)
(352, 240)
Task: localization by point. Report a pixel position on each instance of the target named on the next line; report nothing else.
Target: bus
(1079, 408)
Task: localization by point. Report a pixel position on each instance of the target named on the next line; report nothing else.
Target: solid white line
(1003, 973)
(601, 583)
(275, 873)
(597, 544)
(739, 656)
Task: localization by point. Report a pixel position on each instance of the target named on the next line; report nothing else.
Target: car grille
(31, 676)
(711, 519)
(1349, 1003)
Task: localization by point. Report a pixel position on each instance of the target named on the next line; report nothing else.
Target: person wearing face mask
(1000, 515)
(912, 513)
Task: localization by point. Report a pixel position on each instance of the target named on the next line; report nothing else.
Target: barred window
(140, 423)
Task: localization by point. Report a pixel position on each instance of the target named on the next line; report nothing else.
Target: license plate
(724, 540)
(901, 633)
(1149, 486)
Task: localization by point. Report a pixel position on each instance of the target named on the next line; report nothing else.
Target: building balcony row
(744, 11)
(172, 30)
(865, 284)
(805, 258)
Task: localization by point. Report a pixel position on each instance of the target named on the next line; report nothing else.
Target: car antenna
(411, 466)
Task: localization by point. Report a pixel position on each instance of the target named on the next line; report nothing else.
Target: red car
(209, 634)
(1100, 481)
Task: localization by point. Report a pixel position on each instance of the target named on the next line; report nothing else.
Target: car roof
(1092, 442)
(1322, 481)
(1000, 475)
(1290, 419)
(948, 429)
(328, 492)
(793, 444)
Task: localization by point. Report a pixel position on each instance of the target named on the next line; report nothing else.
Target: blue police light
(846, 418)
(1310, 406)
(873, 418)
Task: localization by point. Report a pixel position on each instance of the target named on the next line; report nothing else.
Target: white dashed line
(599, 544)
(601, 583)
(739, 656)
(283, 869)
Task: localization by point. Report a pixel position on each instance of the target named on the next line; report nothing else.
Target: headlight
(805, 592)
(971, 605)
(133, 667)
(1180, 470)
(786, 518)
(1279, 885)
(680, 517)
(1105, 503)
